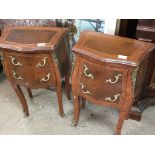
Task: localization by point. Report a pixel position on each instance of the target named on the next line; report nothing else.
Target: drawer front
(31, 70)
(33, 78)
(25, 60)
(100, 82)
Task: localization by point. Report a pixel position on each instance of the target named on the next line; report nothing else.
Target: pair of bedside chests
(105, 70)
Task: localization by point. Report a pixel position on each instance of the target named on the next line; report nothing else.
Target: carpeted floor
(44, 117)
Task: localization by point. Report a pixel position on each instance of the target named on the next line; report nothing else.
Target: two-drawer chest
(36, 57)
(109, 71)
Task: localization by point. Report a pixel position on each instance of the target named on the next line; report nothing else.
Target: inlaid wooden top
(109, 48)
(23, 38)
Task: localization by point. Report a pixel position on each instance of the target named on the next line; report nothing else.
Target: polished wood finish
(106, 72)
(145, 31)
(100, 85)
(36, 57)
(25, 22)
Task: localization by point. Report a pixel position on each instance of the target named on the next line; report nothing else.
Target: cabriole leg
(29, 92)
(67, 87)
(22, 99)
(76, 102)
(59, 96)
(83, 102)
(121, 119)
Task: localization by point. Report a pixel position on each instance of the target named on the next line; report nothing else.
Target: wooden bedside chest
(108, 70)
(36, 57)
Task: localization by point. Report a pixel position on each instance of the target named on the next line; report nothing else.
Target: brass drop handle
(13, 61)
(116, 79)
(84, 91)
(16, 76)
(112, 100)
(46, 78)
(43, 63)
(87, 74)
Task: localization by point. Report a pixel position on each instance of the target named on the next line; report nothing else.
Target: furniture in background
(144, 30)
(126, 28)
(36, 57)
(108, 71)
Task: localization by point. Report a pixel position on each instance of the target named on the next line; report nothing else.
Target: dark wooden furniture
(126, 28)
(108, 71)
(35, 57)
(145, 31)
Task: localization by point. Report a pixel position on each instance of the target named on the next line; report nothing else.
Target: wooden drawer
(100, 82)
(25, 60)
(33, 78)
